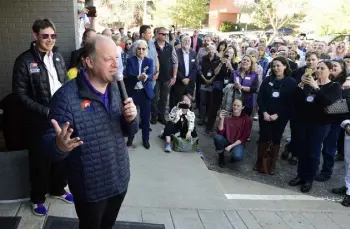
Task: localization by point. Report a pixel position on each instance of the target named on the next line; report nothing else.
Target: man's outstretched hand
(64, 141)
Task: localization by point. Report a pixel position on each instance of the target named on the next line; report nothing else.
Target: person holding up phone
(233, 131)
(181, 120)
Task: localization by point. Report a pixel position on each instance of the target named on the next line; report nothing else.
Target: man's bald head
(93, 44)
(107, 32)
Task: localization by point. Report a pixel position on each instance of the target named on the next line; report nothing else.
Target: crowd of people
(240, 82)
(77, 119)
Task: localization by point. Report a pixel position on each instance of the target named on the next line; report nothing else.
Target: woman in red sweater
(233, 132)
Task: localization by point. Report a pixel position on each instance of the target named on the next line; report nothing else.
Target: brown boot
(273, 155)
(262, 147)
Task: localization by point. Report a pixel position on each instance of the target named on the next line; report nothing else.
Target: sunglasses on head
(164, 34)
(46, 36)
(139, 48)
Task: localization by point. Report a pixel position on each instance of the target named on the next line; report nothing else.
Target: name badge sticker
(247, 78)
(209, 74)
(276, 94)
(310, 99)
(193, 60)
(271, 84)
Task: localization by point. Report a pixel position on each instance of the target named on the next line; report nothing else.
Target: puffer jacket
(30, 82)
(100, 167)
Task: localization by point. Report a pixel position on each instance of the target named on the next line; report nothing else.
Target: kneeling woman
(233, 132)
(181, 120)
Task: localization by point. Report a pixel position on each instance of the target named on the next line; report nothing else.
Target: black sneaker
(146, 144)
(129, 142)
(296, 181)
(340, 191)
(161, 119)
(346, 201)
(154, 119)
(200, 122)
(339, 157)
(322, 177)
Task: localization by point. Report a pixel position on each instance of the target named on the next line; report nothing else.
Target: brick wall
(16, 19)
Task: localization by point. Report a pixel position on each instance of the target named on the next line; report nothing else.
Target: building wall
(232, 17)
(222, 10)
(16, 19)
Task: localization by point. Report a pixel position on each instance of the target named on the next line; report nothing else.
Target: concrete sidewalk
(179, 191)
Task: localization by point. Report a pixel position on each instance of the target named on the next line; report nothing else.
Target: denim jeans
(329, 148)
(237, 152)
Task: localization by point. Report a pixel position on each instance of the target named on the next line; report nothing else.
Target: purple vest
(246, 82)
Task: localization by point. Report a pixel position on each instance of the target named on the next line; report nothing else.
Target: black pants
(215, 103)
(159, 102)
(272, 131)
(101, 214)
(45, 176)
(173, 128)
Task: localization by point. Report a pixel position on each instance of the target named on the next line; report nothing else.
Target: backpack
(230, 94)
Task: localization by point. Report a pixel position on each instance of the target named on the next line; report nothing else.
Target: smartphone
(227, 114)
(184, 106)
(226, 56)
(92, 11)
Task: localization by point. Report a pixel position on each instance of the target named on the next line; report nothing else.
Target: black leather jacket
(30, 82)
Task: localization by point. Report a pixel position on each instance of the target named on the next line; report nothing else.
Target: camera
(226, 56)
(184, 106)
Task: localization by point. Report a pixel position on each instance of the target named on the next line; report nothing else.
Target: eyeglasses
(164, 34)
(139, 49)
(46, 36)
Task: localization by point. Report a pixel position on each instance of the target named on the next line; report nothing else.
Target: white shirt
(55, 84)
(187, 62)
(139, 84)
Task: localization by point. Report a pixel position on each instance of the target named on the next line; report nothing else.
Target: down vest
(100, 167)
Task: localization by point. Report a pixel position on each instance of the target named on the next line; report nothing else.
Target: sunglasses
(164, 34)
(243, 47)
(46, 36)
(341, 46)
(128, 43)
(139, 49)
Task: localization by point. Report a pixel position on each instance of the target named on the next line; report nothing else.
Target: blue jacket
(132, 72)
(100, 167)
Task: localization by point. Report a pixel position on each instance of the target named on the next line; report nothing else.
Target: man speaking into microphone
(88, 123)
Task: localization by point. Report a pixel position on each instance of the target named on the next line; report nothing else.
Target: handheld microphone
(122, 88)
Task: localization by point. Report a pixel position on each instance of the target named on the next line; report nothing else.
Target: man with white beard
(186, 72)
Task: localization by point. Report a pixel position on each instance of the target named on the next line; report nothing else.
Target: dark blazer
(181, 71)
(199, 44)
(132, 72)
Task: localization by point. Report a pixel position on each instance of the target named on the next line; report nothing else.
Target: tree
(189, 13)
(331, 17)
(123, 12)
(275, 13)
